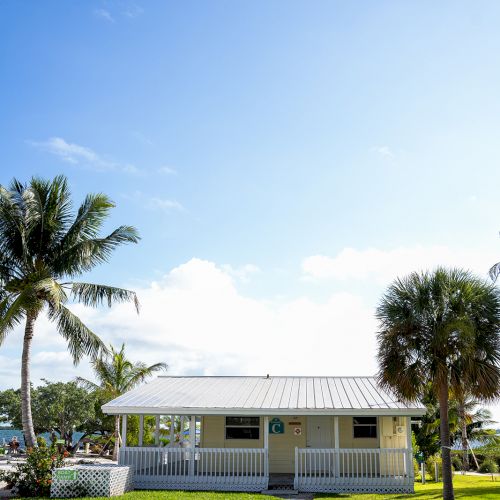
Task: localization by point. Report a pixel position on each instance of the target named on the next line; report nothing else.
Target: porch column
(181, 436)
(337, 445)
(172, 431)
(192, 444)
(124, 430)
(266, 446)
(157, 431)
(141, 429)
(409, 452)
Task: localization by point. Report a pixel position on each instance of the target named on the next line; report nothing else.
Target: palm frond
(141, 372)
(81, 340)
(87, 384)
(94, 295)
(86, 254)
(12, 312)
(89, 219)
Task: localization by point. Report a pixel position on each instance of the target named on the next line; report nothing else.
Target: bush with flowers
(33, 478)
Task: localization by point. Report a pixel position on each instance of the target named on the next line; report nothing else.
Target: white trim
(141, 429)
(151, 410)
(157, 430)
(124, 430)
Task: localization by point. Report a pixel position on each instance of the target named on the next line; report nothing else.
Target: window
(242, 427)
(364, 427)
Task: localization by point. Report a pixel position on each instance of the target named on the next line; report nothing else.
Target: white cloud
(197, 321)
(104, 14)
(164, 204)
(241, 273)
(384, 151)
(167, 170)
(383, 266)
(80, 155)
(133, 10)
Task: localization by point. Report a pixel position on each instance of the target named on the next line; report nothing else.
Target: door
(320, 432)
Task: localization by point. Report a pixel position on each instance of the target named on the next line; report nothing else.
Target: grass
(466, 488)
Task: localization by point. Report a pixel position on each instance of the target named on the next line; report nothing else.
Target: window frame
(242, 426)
(371, 425)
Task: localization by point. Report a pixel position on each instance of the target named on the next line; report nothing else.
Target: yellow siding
(347, 440)
(282, 446)
(389, 438)
(213, 435)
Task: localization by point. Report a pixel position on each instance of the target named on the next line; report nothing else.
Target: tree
(469, 422)
(116, 375)
(440, 329)
(43, 247)
(58, 407)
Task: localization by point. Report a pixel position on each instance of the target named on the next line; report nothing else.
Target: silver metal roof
(261, 396)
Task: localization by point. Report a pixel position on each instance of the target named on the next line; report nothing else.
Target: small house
(314, 434)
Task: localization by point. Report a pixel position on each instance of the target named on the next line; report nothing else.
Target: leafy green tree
(115, 375)
(43, 247)
(64, 408)
(440, 329)
(58, 407)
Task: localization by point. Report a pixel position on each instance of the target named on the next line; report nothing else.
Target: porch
(186, 464)
(239, 469)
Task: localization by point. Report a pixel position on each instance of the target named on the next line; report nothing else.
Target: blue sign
(276, 426)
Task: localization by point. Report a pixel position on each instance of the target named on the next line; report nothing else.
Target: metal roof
(261, 396)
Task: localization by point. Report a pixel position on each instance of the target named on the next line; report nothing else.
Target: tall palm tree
(43, 247)
(440, 329)
(116, 375)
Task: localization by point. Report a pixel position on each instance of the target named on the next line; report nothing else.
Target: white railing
(235, 469)
(354, 470)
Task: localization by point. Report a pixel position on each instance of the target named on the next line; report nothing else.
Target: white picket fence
(225, 469)
(345, 470)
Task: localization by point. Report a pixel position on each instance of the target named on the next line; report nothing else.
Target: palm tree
(440, 329)
(116, 375)
(469, 422)
(43, 246)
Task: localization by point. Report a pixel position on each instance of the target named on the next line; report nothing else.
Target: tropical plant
(440, 329)
(470, 423)
(43, 247)
(33, 477)
(116, 375)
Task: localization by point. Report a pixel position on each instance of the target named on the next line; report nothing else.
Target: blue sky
(301, 153)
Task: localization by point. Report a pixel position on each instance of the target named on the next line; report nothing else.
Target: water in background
(7, 434)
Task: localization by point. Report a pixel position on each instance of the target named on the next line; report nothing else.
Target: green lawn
(466, 487)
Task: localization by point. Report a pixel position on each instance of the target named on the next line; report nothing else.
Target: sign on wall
(276, 426)
(66, 474)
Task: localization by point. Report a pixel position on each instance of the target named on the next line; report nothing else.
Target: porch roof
(261, 396)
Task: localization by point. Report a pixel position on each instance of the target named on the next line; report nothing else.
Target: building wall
(347, 439)
(282, 446)
(213, 435)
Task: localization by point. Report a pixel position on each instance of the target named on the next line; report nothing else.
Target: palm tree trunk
(116, 447)
(465, 442)
(445, 442)
(27, 420)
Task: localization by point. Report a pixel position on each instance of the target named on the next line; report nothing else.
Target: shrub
(488, 466)
(33, 478)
